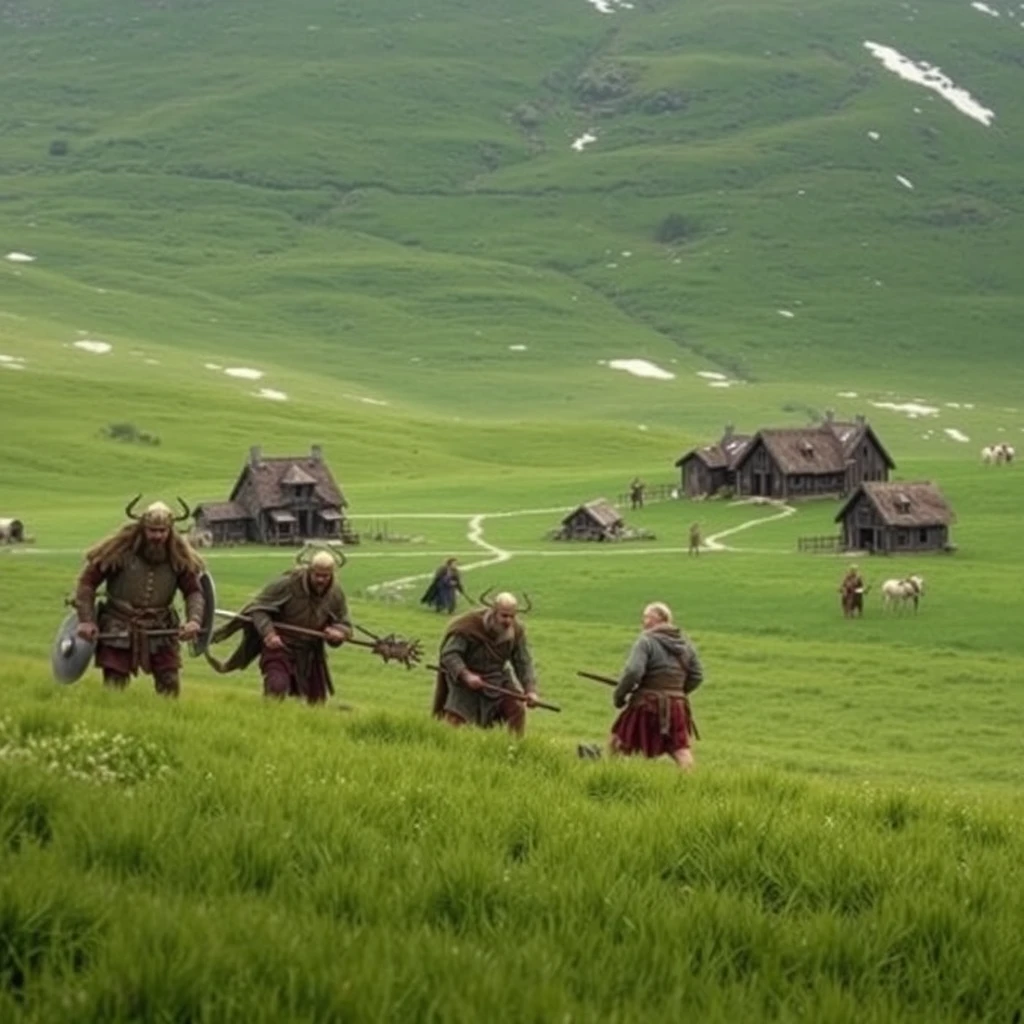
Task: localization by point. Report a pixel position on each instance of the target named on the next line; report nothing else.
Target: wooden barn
(890, 518)
(830, 459)
(595, 520)
(280, 500)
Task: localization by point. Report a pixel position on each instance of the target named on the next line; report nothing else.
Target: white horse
(1008, 451)
(901, 593)
(991, 453)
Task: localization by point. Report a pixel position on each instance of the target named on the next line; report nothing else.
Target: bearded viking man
(293, 663)
(660, 673)
(142, 566)
(478, 649)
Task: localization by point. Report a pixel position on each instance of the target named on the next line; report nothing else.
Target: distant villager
(662, 670)
(293, 664)
(851, 593)
(695, 539)
(142, 567)
(444, 588)
(636, 493)
(477, 652)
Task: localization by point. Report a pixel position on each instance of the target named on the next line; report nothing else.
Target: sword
(514, 694)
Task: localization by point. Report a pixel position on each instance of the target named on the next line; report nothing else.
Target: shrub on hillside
(602, 83)
(130, 434)
(663, 101)
(676, 227)
(59, 147)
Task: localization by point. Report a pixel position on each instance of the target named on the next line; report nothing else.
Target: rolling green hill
(419, 233)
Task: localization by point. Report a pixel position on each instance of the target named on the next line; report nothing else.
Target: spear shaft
(514, 694)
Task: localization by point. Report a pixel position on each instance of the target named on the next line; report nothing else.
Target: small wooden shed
(889, 518)
(594, 520)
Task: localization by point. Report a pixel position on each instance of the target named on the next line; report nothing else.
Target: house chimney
(316, 452)
(729, 430)
(830, 416)
(860, 419)
(255, 455)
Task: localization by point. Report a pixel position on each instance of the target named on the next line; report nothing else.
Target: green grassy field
(371, 205)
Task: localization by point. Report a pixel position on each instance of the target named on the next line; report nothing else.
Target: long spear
(390, 648)
(514, 694)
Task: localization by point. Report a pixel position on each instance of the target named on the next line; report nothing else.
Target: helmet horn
(528, 604)
(186, 513)
(129, 509)
(483, 598)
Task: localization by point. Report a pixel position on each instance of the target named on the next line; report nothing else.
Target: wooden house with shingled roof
(831, 459)
(594, 520)
(890, 518)
(279, 500)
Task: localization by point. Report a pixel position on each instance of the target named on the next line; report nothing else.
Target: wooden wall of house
(904, 539)
(862, 516)
(698, 480)
(867, 463)
(246, 496)
(759, 475)
(813, 485)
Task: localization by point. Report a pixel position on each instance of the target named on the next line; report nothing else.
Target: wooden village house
(280, 500)
(889, 518)
(786, 463)
(594, 520)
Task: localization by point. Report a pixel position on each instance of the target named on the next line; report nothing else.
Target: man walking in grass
(662, 670)
(444, 588)
(694, 539)
(142, 567)
(477, 651)
(293, 663)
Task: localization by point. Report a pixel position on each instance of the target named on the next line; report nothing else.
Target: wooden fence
(652, 494)
(828, 545)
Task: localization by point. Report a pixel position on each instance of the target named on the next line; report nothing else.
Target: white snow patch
(905, 182)
(641, 368)
(152, 362)
(98, 348)
(517, 348)
(912, 409)
(985, 9)
(711, 375)
(243, 372)
(789, 314)
(968, 405)
(642, 426)
(212, 366)
(274, 396)
(956, 435)
(846, 394)
(931, 77)
(609, 6)
(365, 400)
(874, 136)
(12, 360)
(723, 383)
(627, 254)
(952, 405)
(20, 257)
(584, 140)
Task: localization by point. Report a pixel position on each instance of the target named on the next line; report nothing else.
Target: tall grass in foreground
(173, 863)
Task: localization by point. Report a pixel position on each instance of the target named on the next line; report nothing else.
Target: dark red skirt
(639, 729)
(118, 660)
(282, 676)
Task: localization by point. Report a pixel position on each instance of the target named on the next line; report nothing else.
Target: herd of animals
(998, 454)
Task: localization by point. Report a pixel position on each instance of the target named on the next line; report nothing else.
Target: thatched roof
(600, 511)
(722, 455)
(268, 475)
(221, 511)
(901, 503)
(850, 436)
(802, 449)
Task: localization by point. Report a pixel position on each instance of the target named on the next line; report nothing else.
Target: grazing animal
(988, 455)
(1008, 452)
(898, 594)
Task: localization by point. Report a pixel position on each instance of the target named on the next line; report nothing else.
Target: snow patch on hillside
(97, 348)
(931, 77)
(641, 368)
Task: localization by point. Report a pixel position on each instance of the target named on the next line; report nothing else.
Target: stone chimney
(729, 430)
(830, 416)
(316, 452)
(255, 455)
(860, 419)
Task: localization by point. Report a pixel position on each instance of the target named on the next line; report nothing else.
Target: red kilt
(645, 727)
(283, 676)
(120, 660)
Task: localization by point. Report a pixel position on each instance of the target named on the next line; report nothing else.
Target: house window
(922, 536)
(901, 538)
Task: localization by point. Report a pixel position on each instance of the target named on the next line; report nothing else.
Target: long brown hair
(112, 552)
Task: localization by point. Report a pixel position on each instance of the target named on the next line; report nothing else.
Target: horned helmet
(158, 513)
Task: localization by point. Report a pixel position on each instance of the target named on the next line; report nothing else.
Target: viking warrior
(136, 627)
(477, 650)
(444, 588)
(694, 539)
(662, 669)
(851, 592)
(636, 493)
(292, 662)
